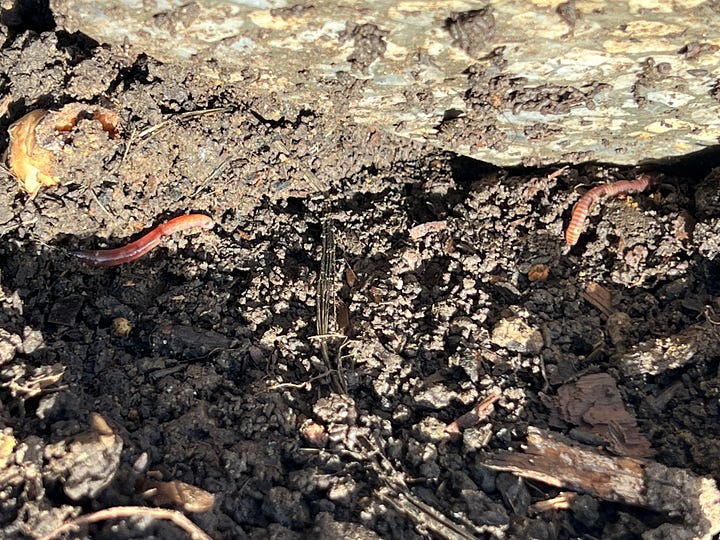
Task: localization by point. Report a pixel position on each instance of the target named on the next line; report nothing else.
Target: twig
(326, 315)
(195, 532)
(147, 131)
(102, 207)
(303, 384)
(710, 316)
(131, 139)
(395, 493)
(215, 172)
(324, 337)
(182, 116)
(4, 104)
(473, 417)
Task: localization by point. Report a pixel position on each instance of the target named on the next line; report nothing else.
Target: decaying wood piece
(638, 482)
(561, 502)
(594, 404)
(618, 324)
(600, 297)
(474, 416)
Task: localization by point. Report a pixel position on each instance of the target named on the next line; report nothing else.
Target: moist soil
(300, 361)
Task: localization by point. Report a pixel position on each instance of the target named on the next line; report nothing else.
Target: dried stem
(195, 532)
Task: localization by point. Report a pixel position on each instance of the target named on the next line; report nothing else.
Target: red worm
(138, 248)
(586, 202)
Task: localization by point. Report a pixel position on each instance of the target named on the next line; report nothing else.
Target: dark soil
(204, 357)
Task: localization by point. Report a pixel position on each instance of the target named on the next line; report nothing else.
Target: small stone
(9, 345)
(430, 429)
(436, 397)
(518, 336)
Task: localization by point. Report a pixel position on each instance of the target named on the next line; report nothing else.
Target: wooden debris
(175, 493)
(395, 493)
(24, 386)
(600, 297)
(342, 317)
(561, 502)
(638, 482)
(594, 403)
(683, 226)
(326, 316)
(418, 231)
(477, 414)
(618, 324)
(350, 277)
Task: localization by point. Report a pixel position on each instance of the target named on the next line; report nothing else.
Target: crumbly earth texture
(204, 359)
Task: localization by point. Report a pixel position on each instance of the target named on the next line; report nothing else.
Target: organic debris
(182, 495)
(669, 491)
(38, 140)
(593, 404)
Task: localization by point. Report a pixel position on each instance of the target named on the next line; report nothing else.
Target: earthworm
(586, 202)
(138, 248)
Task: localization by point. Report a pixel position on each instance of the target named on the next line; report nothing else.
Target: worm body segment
(138, 248)
(586, 202)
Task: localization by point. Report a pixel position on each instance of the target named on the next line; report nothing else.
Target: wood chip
(561, 502)
(477, 414)
(418, 231)
(175, 493)
(594, 403)
(674, 492)
(600, 297)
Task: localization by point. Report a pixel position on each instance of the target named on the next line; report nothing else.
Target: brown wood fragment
(350, 277)
(561, 502)
(659, 401)
(594, 403)
(342, 316)
(619, 324)
(600, 297)
(638, 482)
(175, 493)
(473, 417)
(683, 226)
(418, 231)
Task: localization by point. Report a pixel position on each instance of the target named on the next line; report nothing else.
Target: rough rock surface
(517, 81)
